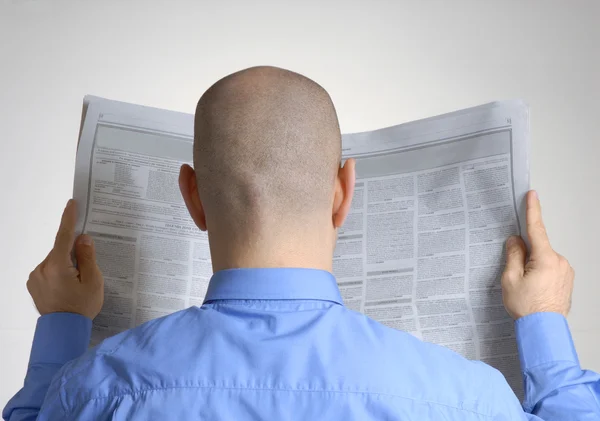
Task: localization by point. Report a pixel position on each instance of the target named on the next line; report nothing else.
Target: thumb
(86, 258)
(516, 253)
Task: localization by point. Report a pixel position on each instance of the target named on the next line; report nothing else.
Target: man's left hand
(56, 285)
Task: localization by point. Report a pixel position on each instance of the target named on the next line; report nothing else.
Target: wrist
(519, 316)
(68, 310)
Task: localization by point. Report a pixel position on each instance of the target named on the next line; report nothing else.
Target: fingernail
(537, 196)
(85, 240)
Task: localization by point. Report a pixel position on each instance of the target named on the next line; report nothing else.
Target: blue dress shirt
(278, 344)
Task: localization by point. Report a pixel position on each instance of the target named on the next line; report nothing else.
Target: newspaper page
(421, 250)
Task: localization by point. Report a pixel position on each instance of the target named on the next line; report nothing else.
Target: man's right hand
(545, 282)
(56, 285)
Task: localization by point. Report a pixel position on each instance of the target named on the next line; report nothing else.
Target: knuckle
(46, 270)
(85, 253)
(65, 232)
(509, 278)
(563, 263)
(513, 252)
(51, 270)
(551, 260)
(539, 227)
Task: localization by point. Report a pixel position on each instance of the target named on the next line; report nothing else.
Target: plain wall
(383, 62)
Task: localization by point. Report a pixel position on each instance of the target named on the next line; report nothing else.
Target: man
(274, 341)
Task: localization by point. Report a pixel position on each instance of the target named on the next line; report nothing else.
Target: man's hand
(56, 285)
(545, 282)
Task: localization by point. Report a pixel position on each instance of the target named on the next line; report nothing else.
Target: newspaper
(421, 250)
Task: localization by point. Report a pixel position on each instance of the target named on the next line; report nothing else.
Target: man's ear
(344, 190)
(189, 191)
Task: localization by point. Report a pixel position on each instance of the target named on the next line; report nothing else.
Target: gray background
(383, 62)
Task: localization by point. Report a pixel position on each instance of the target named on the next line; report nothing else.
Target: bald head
(267, 149)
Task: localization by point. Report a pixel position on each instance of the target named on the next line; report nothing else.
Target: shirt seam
(529, 408)
(38, 363)
(265, 389)
(589, 388)
(528, 369)
(266, 297)
(527, 405)
(100, 353)
(320, 305)
(63, 398)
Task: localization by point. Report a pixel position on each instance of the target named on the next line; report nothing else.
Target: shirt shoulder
(280, 346)
(409, 367)
(124, 363)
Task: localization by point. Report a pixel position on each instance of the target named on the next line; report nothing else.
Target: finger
(536, 230)
(516, 253)
(85, 253)
(66, 232)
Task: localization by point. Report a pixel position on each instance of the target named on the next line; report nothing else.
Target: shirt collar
(273, 284)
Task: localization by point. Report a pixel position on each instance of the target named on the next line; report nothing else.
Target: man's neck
(255, 251)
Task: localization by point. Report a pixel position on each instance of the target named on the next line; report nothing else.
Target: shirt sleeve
(59, 338)
(556, 388)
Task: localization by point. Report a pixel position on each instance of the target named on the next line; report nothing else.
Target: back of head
(267, 149)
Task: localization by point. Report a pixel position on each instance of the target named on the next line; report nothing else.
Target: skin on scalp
(267, 145)
(268, 183)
